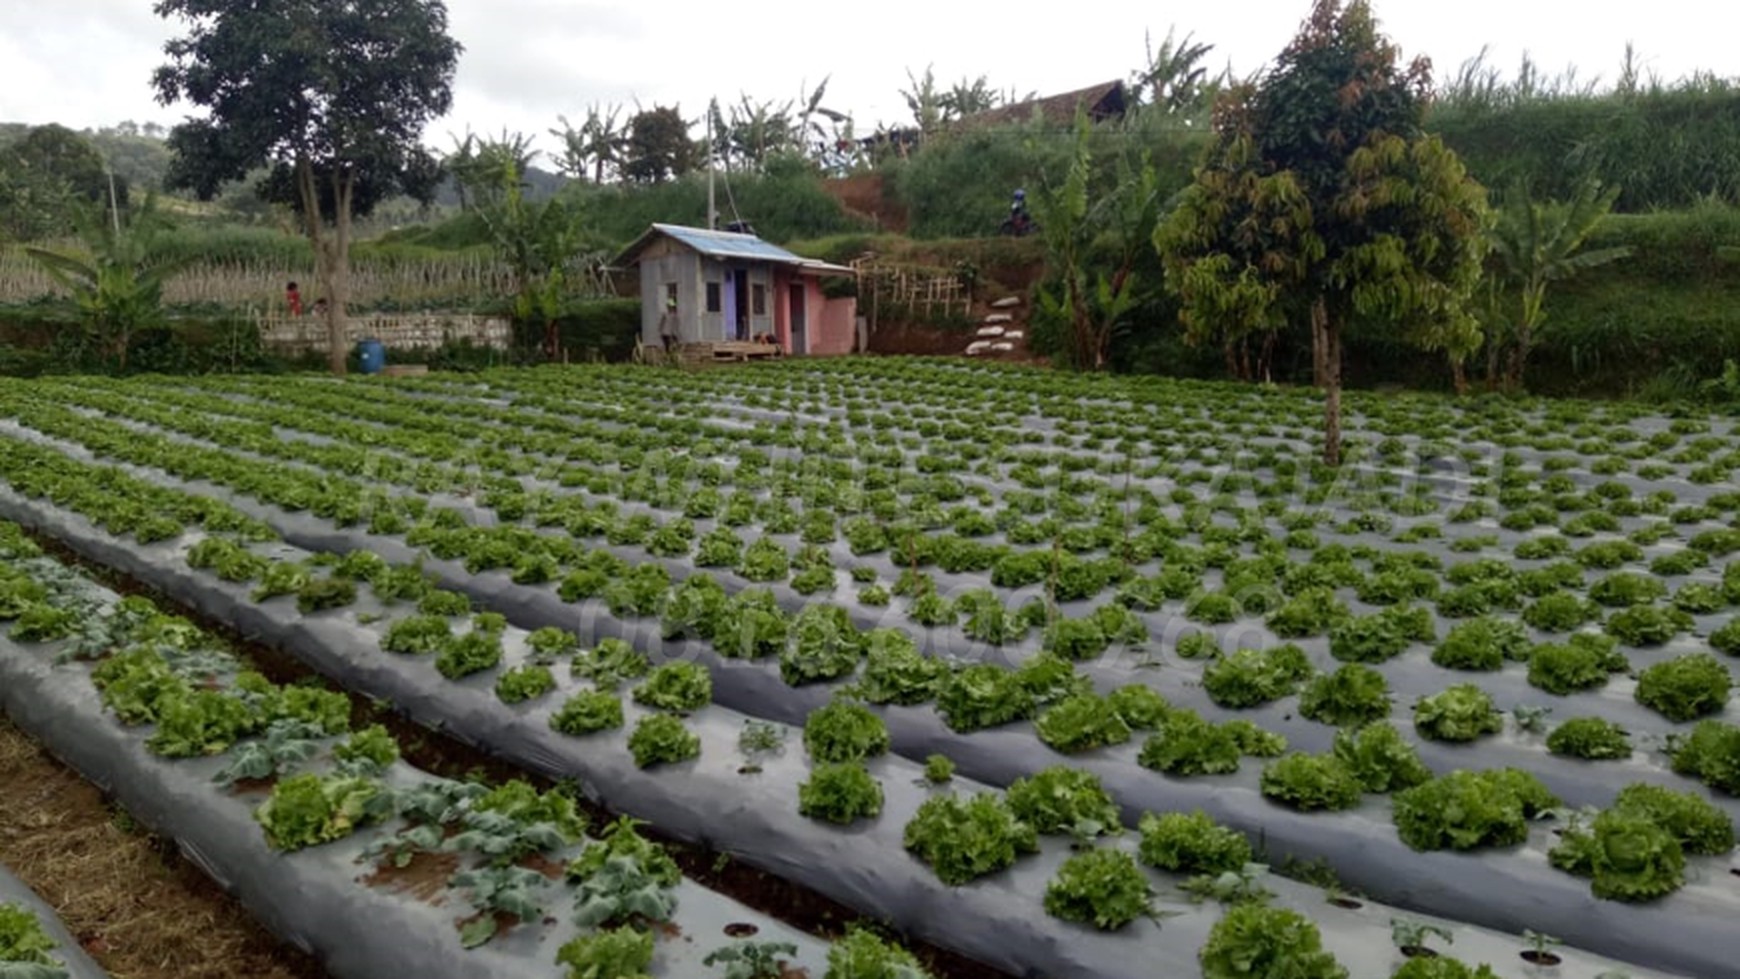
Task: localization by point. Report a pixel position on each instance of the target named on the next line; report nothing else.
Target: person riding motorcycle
(1020, 222)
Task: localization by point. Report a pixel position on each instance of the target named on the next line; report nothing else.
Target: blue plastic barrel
(373, 354)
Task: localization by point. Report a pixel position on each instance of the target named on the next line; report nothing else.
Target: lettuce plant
(1467, 810)
(1583, 663)
(1685, 688)
(1104, 888)
(25, 947)
(1083, 722)
(1251, 677)
(1255, 940)
(1061, 799)
(661, 739)
(895, 672)
(1482, 644)
(620, 953)
(308, 810)
(1460, 713)
(1311, 782)
(1593, 738)
(863, 955)
(1188, 745)
(1191, 843)
(1711, 753)
(840, 793)
(523, 683)
(681, 687)
(962, 839)
(983, 695)
(1353, 695)
(1380, 759)
(844, 732)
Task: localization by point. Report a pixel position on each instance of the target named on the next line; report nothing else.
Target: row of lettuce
(1459, 811)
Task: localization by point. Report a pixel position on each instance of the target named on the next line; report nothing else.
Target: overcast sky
(88, 62)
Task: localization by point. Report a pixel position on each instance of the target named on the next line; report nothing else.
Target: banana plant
(117, 283)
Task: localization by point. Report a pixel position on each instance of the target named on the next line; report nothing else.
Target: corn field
(446, 282)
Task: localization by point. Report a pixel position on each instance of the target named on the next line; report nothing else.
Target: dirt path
(139, 909)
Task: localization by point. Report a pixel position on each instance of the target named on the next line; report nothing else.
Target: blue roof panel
(725, 244)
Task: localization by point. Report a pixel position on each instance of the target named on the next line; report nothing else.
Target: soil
(863, 195)
(1346, 902)
(424, 878)
(1418, 952)
(1540, 958)
(139, 908)
(539, 863)
(439, 755)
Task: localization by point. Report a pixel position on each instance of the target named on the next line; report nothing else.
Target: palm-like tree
(117, 286)
(596, 146)
(1534, 244)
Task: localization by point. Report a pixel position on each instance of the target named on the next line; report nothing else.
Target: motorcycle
(1019, 224)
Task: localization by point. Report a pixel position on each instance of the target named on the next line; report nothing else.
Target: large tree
(1321, 199)
(658, 146)
(332, 97)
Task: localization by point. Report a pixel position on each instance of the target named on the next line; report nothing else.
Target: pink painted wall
(831, 325)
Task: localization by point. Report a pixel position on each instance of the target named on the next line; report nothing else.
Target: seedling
(498, 890)
(1539, 943)
(1530, 718)
(751, 960)
(1410, 936)
(1240, 886)
(938, 770)
(760, 737)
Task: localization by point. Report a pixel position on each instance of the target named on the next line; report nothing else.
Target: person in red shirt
(293, 298)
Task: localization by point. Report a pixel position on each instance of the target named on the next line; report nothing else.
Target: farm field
(1468, 694)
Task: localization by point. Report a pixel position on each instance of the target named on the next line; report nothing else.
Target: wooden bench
(743, 351)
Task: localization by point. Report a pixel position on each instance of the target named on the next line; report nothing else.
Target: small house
(699, 286)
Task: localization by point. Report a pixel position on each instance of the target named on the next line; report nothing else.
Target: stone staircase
(1002, 333)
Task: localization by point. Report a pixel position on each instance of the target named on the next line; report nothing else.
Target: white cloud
(89, 62)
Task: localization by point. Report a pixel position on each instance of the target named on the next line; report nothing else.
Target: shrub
(1254, 940)
(1460, 713)
(1685, 688)
(1192, 843)
(1594, 738)
(1103, 888)
(1353, 695)
(1311, 782)
(840, 793)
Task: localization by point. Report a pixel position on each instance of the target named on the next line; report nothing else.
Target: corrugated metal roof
(727, 245)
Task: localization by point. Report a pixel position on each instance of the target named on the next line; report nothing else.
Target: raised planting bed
(33, 941)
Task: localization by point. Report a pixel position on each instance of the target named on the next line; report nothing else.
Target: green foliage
(550, 642)
(307, 810)
(1442, 967)
(1711, 753)
(1685, 688)
(622, 838)
(1311, 782)
(1354, 694)
(1381, 636)
(825, 645)
(1250, 677)
(523, 683)
(1699, 826)
(939, 769)
(24, 944)
(370, 749)
(751, 960)
(840, 793)
(620, 953)
(863, 955)
(1104, 888)
(661, 739)
(1380, 758)
(1061, 799)
(1594, 738)
(1084, 722)
(417, 635)
(844, 732)
(1466, 810)
(1253, 940)
(204, 722)
(1583, 663)
(610, 663)
(1459, 713)
(1628, 855)
(1192, 843)
(965, 839)
(895, 672)
(1482, 644)
(681, 687)
(1188, 745)
(983, 695)
(1313, 612)
(473, 652)
(1138, 706)
(44, 623)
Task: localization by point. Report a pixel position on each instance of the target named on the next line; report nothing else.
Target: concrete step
(1007, 302)
(997, 318)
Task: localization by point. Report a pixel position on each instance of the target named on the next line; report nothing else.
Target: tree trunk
(1331, 394)
(1230, 350)
(1519, 355)
(1319, 341)
(1459, 376)
(1492, 352)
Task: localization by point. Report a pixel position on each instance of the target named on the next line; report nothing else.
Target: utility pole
(712, 208)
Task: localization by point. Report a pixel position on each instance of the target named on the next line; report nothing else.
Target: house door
(740, 290)
(799, 337)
